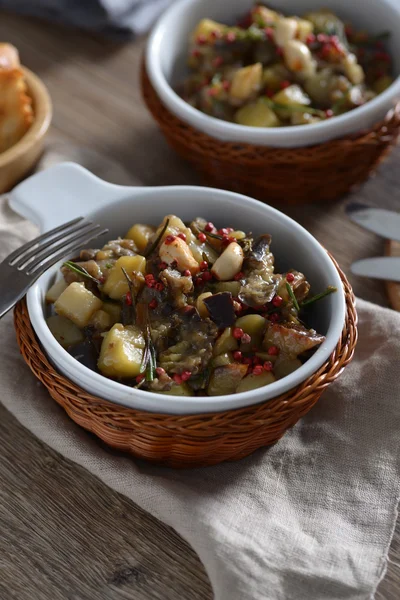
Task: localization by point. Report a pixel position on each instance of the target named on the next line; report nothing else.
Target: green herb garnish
(215, 236)
(157, 241)
(80, 271)
(108, 266)
(292, 296)
(329, 290)
(149, 360)
(132, 305)
(293, 108)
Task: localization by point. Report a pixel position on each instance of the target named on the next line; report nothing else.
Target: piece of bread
(16, 113)
(9, 57)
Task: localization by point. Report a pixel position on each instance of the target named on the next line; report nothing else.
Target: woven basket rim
(329, 369)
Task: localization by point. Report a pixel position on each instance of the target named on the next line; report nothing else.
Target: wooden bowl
(320, 173)
(195, 440)
(19, 160)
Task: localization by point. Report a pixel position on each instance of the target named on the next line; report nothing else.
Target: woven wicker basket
(193, 440)
(294, 175)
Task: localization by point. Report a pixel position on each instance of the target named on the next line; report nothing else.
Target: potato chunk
(178, 390)
(56, 290)
(116, 285)
(65, 331)
(77, 304)
(101, 320)
(254, 326)
(225, 343)
(121, 352)
(245, 84)
(257, 114)
(252, 382)
(226, 379)
(141, 235)
(291, 96)
(207, 29)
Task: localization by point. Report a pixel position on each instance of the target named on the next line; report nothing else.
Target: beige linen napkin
(308, 519)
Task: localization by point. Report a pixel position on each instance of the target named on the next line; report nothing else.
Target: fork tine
(53, 255)
(24, 261)
(26, 247)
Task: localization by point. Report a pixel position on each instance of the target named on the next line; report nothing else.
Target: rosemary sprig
(329, 290)
(80, 270)
(215, 236)
(149, 360)
(293, 107)
(292, 296)
(157, 241)
(132, 306)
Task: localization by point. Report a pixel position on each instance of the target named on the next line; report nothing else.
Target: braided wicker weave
(193, 440)
(294, 175)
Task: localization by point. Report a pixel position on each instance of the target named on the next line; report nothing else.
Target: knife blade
(381, 267)
(385, 223)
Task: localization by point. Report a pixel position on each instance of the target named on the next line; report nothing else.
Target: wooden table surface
(114, 550)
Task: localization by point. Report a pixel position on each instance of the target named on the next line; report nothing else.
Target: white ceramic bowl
(66, 191)
(166, 60)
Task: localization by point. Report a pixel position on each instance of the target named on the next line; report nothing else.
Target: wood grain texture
(64, 535)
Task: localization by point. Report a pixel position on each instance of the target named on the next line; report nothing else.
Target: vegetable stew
(272, 70)
(184, 309)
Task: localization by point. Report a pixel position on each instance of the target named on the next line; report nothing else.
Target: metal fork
(23, 266)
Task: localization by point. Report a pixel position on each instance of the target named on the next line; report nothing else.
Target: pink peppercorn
(268, 366)
(273, 350)
(257, 370)
(203, 265)
(139, 378)
(186, 273)
(207, 276)
(128, 299)
(153, 304)
(177, 378)
(237, 333)
(159, 287)
(169, 239)
(202, 237)
(160, 371)
(162, 265)
(237, 355)
(182, 236)
(277, 301)
(209, 226)
(186, 375)
(245, 339)
(290, 277)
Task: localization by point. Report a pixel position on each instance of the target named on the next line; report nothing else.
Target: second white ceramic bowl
(166, 66)
(61, 193)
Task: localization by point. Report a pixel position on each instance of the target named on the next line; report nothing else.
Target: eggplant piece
(260, 283)
(85, 353)
(220, 307)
